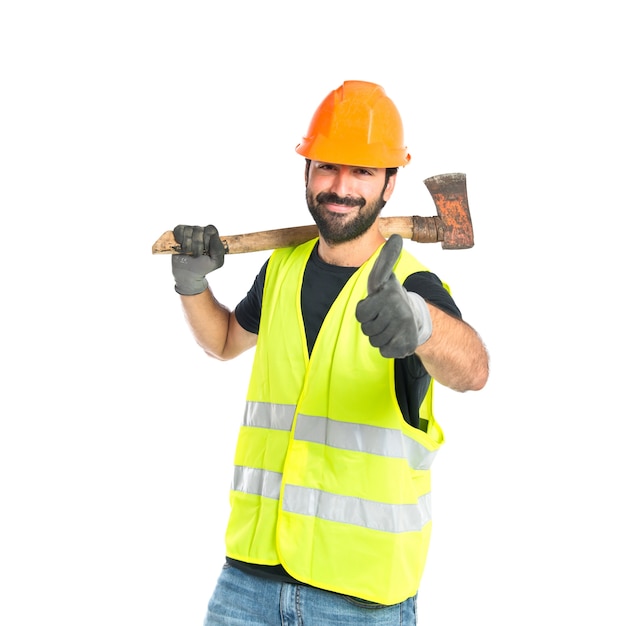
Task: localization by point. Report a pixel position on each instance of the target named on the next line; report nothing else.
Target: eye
(326, 166)
(363, 171)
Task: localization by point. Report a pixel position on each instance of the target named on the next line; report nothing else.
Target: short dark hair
(389, 172)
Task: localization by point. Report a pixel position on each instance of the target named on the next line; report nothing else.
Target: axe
(452, 225)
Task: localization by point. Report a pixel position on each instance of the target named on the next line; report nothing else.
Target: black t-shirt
(321, 284)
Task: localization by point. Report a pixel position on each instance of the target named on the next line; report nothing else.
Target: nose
(342, 182)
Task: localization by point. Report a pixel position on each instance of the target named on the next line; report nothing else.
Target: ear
(391, 183)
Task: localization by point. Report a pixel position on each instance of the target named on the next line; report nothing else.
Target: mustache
(332, 198)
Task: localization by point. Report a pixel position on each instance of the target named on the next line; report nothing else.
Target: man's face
(345, 200)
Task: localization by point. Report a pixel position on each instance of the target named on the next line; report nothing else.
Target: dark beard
(338, 227)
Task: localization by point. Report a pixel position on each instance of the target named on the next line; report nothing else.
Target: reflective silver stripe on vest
(391, 518)
(269, 415)
(256, 481)
(386, 442)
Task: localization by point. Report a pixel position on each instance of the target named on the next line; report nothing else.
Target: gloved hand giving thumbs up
(396, 321)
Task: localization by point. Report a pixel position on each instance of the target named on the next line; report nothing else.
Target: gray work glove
(396, 321)
(202, 252)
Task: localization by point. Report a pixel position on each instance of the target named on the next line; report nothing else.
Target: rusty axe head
(449, 192)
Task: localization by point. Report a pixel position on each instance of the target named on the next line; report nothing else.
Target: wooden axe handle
(416, 228)
(452, 226)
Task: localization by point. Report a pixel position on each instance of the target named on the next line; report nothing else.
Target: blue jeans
(241, 599)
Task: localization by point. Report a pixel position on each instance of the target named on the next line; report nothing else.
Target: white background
(120, 120)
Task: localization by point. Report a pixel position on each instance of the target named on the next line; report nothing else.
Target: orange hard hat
(356, 124)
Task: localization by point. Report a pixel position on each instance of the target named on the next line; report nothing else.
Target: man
(330, 510)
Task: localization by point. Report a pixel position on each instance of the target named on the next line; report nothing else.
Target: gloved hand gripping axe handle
(452, 225)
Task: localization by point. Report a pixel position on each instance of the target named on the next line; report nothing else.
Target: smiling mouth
(338, 208)
(337, 204)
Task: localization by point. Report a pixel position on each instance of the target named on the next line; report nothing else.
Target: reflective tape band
(269, 415)
(387, 442)
(391, 518)
(257, 482)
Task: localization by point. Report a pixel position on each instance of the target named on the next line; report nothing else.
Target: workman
(330, 500)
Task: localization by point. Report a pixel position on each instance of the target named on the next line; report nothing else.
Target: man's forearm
(455, 355)
(209, 321)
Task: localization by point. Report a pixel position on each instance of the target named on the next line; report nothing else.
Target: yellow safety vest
(330, 480)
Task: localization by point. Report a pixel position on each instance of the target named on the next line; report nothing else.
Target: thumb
(383, 267)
